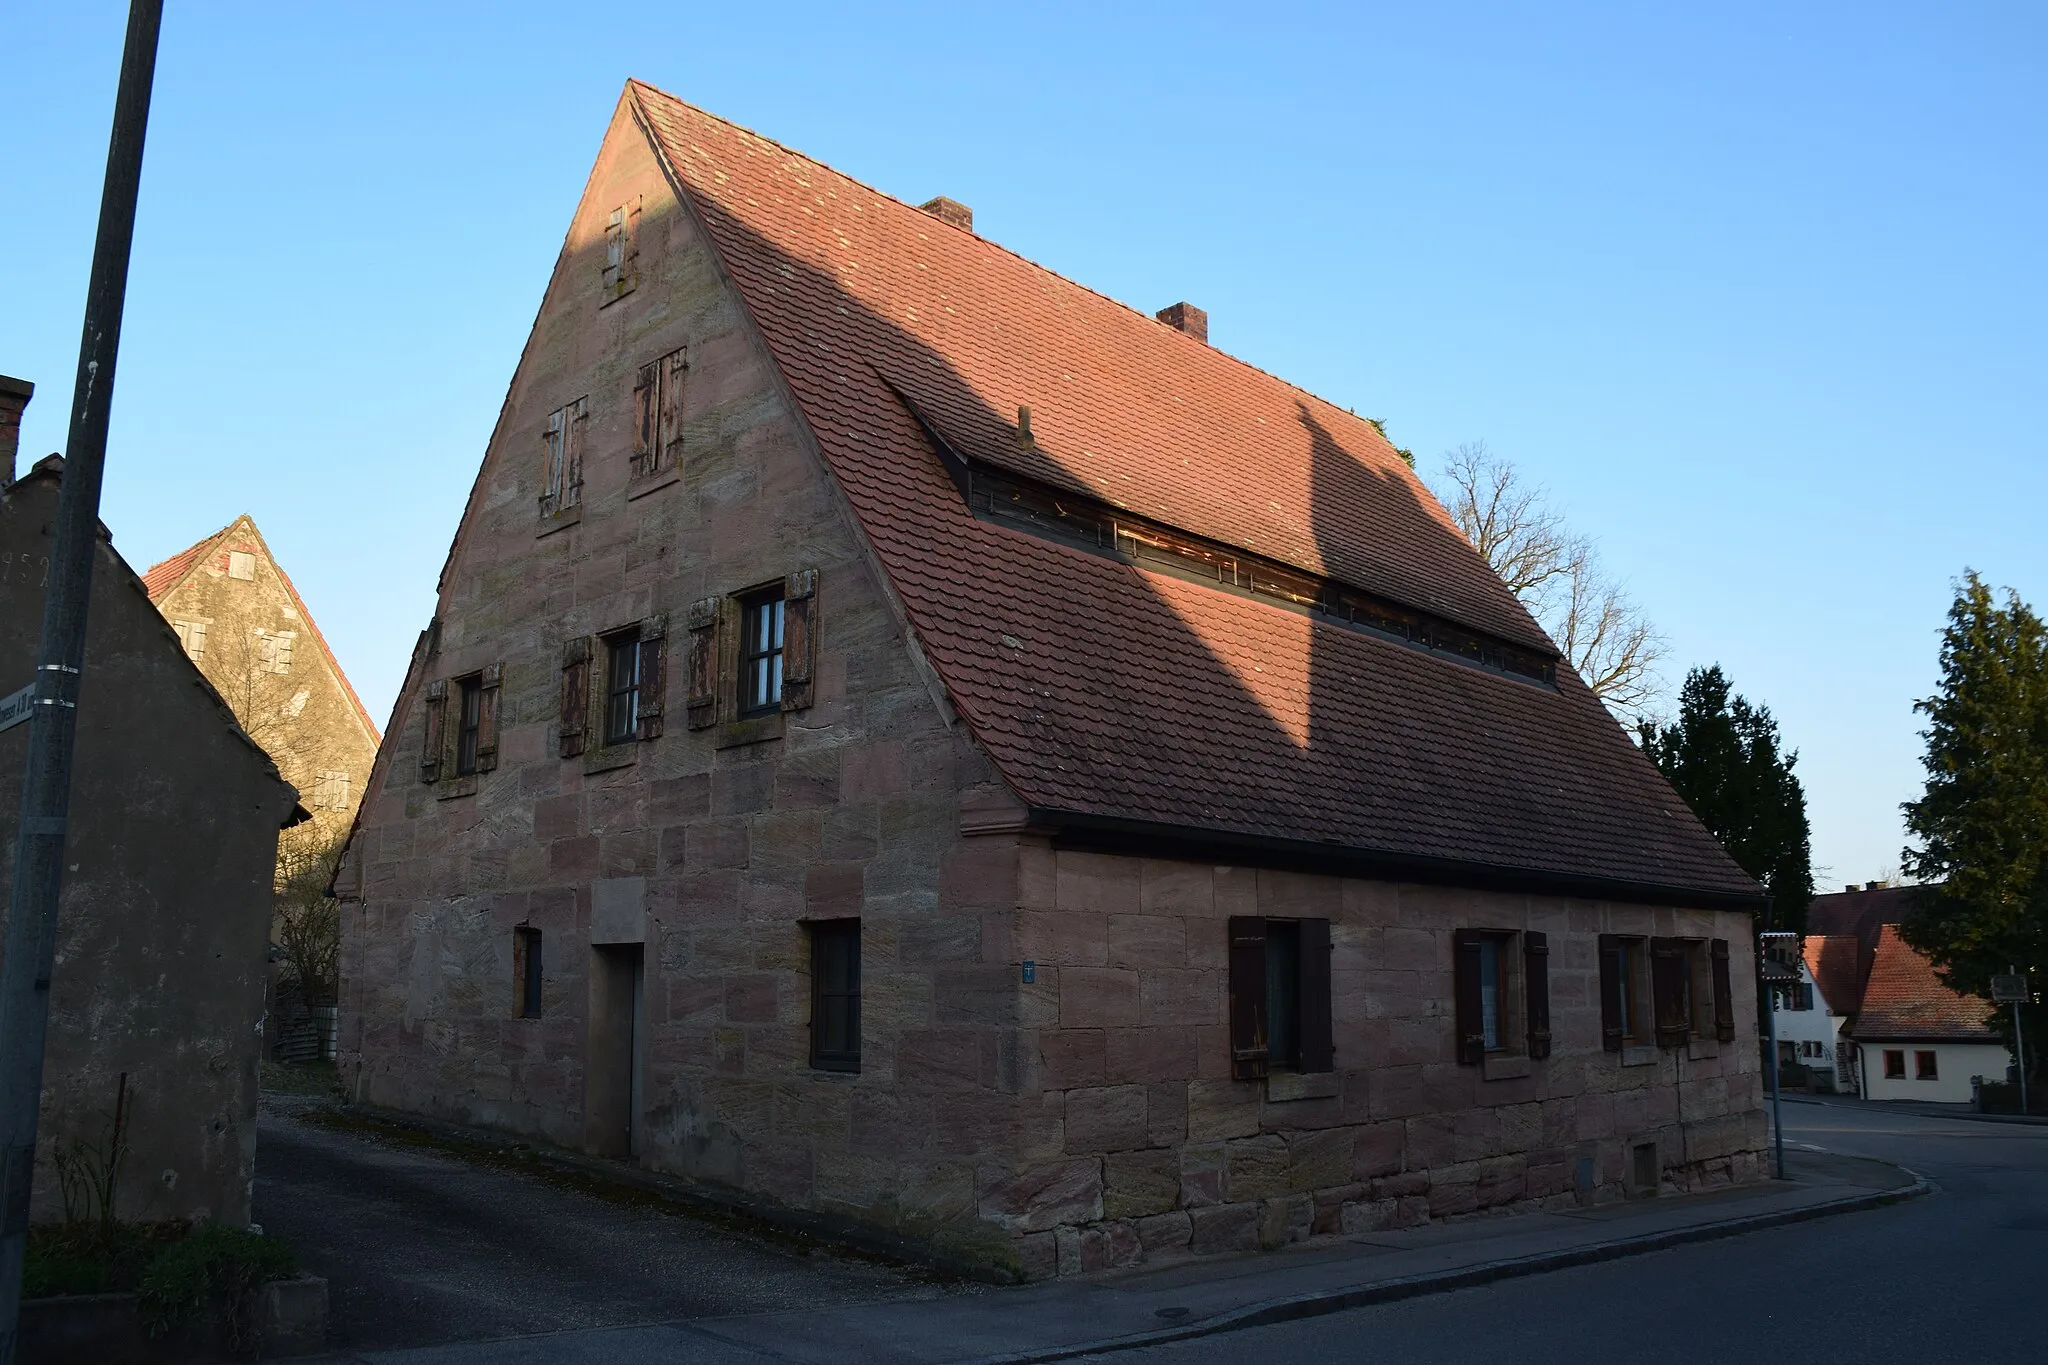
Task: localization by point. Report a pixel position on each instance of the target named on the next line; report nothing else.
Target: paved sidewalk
(1917, 1108)
(1070, 1318)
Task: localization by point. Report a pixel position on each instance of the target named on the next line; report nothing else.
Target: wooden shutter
(572, 451)
(1465, 995)
(703, 699)
(647, 418)
(668, 454)
(430, 741)
(1318, 1032)
(1667, 990)
(799, 637)
(653, 674)
(1247, 997)
(488, 687)
(1536, 990)
(1724, 994)
(552, 438)
(1611, 1022)
(575, 695)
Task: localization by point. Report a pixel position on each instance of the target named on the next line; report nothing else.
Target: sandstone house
(914, 740)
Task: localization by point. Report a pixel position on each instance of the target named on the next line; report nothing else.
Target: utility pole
(46, 784)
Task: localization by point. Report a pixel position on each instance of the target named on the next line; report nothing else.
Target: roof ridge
(1085, 288)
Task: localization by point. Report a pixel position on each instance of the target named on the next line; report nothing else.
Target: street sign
(2009, 990)
(14, 707)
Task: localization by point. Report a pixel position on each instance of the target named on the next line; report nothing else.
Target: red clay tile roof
(164, 577)
(1101, 689)
(1905, 1001)
(1836, 963)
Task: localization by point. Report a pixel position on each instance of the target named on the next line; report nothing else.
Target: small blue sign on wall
(1030, 972)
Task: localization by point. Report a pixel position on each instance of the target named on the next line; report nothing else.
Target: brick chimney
(1185, 317)
(950, 211)
(14, 396)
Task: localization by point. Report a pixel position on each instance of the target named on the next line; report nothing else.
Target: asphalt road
(1954, 1276)
(420, 1247)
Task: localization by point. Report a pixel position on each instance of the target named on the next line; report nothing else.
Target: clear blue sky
(1758, 292)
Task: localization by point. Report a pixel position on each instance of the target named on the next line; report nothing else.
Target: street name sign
(15, 706)
(2009, 990)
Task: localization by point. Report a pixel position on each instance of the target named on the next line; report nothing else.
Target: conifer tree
(1725, 758)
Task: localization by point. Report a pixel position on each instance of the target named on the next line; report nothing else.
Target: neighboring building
(157, 1000)
(1812, 1015)
(240, 619)
(909, 738)
(1918, 1039)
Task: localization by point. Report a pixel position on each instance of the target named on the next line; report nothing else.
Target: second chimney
(1185, 317)
(950, 211)
(14, 396)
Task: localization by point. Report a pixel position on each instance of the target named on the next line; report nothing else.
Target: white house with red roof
(1917, 1039)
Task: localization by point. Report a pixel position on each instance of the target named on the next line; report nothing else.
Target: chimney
(950, 211)
(1185, 317)
(14, 396)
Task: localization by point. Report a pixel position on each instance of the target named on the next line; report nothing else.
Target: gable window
(274, 650)
(192, 635)
(835, 994)
(1924, 1067)
(330, 791)
(1894, 1064)
(562, 457)
(658, 416)
(620, 250)
(469, 725)
(622, 687)
(1279, 997)
(241, 565)
(761, 622)
(526, 969)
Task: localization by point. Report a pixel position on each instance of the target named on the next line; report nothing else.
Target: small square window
(472, 702)
(1924, 1068)
(622, 688)
(835, 994)
(526, 969)
(330, 791)
(1894, 1065)
(761, 652)
(242, 565)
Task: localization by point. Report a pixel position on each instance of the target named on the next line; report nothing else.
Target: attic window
(242, 565)
(621, 251)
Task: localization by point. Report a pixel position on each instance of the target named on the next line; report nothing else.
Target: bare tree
(1557, 573)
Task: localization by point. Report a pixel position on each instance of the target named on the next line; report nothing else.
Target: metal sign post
(46, 783)
(1776, 956)
(2012, 989)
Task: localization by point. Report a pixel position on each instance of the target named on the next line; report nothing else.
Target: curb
(1412, 1286)
(1880, 1107)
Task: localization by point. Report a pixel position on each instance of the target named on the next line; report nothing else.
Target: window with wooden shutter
(489, 683)
(1248, 1031)
(1467, 972)
(799, 637)
(703, 696)
(669, 448)
(1611, 1017)
(572, 457)
(575, 695)
(653, 674)
(1671, 990)
(647, 419)
(1724, 994)
(1536, 990)
(1316, 1030)
(436, 699)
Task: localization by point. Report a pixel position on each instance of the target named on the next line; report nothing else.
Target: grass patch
(177, 1270)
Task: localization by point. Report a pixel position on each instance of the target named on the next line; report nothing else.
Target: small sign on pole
(15, 706)
(2005, 990)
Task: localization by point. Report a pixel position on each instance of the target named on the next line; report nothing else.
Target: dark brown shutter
(572, 452)
(489, 684)
(703, 699)
(575, 694)
(653, 674)
(1465, 994)
(1247, 997)
(1536, 990)
(647, 419)
(669, 453)
(799, 637)
(1724, 994)
(1318, 1032)
(1667, 990)
(430, 741)
(1611, 1023)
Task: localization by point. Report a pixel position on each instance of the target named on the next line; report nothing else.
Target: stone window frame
(586, 692)
(1521, 992)
(440, 742)
(1252, 997)
(715, 625)
(1693, 993)
(1627, 998)
(836, 932)
(529, 972)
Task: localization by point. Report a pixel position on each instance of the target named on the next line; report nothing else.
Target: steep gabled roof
(1127, 696)
(164, 578)
(1905, 1001)
(1836, 964)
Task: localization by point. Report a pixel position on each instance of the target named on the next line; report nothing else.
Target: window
(622, 687)
(526, 969)
(1625, 994)
(619, 250)
(274, 649)
(1501, 990)
(761, 653)
(192, 635)
(330, 791)
(1691, 992)
(658, 416)
(1894, 1065)
(242, 565)
(1280, 996)
(470, 698)
(1493, 992)
(1796, 997)
(1923, 1067)
(835, 994)
(562, 439)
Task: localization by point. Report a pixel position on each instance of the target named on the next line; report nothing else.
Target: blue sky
(1757, 292)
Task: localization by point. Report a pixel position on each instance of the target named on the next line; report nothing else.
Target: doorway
(612, 1082)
